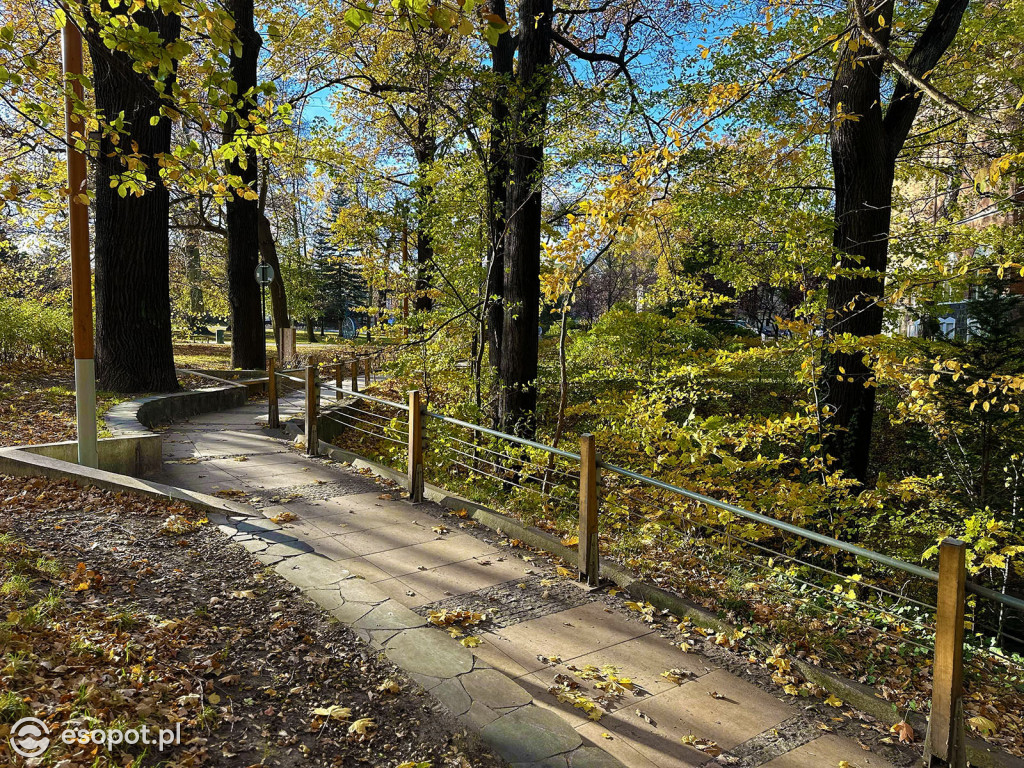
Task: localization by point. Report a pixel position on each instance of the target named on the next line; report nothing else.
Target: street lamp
(264, 276)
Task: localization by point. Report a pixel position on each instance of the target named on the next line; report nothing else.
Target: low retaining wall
(133, 449)
(135, 454)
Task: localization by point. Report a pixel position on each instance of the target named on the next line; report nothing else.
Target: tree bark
(425, 150)
(134, 351)
(518, 368)
(278, 297)
(865, 147)
(498, 171)
(310, 330)
(248, 337)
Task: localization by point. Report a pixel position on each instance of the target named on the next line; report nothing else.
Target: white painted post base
(85, 411)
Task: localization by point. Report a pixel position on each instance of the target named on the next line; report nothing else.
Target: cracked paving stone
(390, 615)
(453, 696)
(492, 689)
(310, 570)
(530, 734)
(429, 651)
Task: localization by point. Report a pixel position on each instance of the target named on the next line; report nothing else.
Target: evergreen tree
(339, 289)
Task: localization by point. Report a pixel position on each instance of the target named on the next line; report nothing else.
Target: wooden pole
(355, 375)
(312, 412)
(944, 743)
(339, 378)
(368, 371)
(273, 413)
(415, 447)
(81, 277)
(589, 564)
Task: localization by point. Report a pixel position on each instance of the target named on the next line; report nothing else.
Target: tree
(339, 288)
(134, 352)
(867, 134)
(521, 299)
(242, 218)
(499, 162)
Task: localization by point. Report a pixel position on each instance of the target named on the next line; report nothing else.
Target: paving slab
(494, 690)
(829, 750)
(643, 659)
(428, 555)
(530, 734)
(390, 537)
(429, 651)
(312, 570)
(390, 615)
(463, 576)
(568, 634)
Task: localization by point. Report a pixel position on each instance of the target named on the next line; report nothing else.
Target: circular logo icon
(30, 737)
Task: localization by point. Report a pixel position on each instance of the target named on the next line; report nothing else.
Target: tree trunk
(134, 351)
(425, 149)
(194, 278)
(498, 160)
(248, 337)
(864, 151)
(278, 298)
(518, 368)
(310, 330)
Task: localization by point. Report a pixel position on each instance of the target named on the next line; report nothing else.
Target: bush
(29, 329)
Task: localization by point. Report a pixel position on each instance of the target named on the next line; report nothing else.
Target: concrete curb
(18, 462)
(134, 448)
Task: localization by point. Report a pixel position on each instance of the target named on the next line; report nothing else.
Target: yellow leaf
(362, 726)
(834, 701)
(983, 725)
(334, 712)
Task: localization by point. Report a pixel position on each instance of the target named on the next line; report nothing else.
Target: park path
(393, 563)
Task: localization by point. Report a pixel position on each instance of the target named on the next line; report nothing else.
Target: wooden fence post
(369, 372)
(589, 565)
(944, 744)
(273, 414)
(355, 375)
(339, 378)
(312, 412)
(415, 447)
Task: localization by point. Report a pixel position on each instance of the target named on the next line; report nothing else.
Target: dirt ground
(121, 611)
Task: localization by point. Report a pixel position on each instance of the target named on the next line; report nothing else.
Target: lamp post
(264, 276)
(78, 222)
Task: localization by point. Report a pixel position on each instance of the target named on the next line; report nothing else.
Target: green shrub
(29, 329)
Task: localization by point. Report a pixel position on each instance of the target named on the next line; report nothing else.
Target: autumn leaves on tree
(518, 156)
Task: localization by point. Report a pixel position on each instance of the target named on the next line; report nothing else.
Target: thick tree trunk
(498, 171)
(425, 149)
(518, 368)
(310, 330)
(865, 146)
(248, 337)
(134, 351)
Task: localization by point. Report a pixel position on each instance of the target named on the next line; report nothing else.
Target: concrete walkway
(384, 566)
